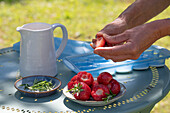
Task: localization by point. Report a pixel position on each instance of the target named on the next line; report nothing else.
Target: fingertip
(98, 49)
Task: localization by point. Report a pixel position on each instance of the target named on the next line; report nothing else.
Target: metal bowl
(30, 79)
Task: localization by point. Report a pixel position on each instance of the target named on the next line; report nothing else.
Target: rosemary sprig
(77, 89)
(109, 96)
(39, 86)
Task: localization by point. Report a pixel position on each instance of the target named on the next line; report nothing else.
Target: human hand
(129, 44)
(116, 27)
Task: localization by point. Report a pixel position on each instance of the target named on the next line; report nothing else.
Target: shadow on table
(82, 108)
(72, 105)
(49, 98)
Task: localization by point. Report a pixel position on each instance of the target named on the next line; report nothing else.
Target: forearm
(161, 28)
(156, 29)
(143, 10)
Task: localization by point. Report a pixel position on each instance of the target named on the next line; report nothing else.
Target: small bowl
(30, 79)
(92, 102)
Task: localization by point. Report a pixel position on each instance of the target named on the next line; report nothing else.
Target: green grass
(83, 19)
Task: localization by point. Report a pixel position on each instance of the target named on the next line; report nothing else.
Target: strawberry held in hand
(81, 91)
(85, 77)
(98, 42)
(100, 92)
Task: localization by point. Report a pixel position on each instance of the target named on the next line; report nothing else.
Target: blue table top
(79, 56)
(144, 89)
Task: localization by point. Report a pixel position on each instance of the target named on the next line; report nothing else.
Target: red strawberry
(98, 42)
(85, 77)
(81, 91)
(75, 78)
(104, 78)
(100, 92)
(109, 45)
(71, 84)
(114, 86)
(95, 83)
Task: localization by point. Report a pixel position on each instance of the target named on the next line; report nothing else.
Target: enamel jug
(37, 50)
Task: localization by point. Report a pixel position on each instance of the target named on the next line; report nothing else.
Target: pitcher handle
(64, 40)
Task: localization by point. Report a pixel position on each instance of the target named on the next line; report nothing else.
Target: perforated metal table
(144, 89)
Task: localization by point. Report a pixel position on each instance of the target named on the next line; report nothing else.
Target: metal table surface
(144, 89)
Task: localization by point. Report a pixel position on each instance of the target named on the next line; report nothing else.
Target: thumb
(116, 39)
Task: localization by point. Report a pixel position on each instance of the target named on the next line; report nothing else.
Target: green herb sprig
(39, 86)
(77, 89)
(109, 96)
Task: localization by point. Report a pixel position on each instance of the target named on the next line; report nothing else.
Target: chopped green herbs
(39, 86)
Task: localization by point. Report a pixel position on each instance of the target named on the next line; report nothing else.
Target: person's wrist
(160, 28)
(129, 17)
(164, 27)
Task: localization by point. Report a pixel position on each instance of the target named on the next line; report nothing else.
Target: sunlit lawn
(83, 19)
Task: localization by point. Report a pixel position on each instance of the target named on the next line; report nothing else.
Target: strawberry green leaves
(76, 89)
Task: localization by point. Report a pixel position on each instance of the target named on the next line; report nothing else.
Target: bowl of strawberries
(89, 91)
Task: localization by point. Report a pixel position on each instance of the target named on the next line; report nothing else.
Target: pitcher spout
(22, 28)
(19, 29)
